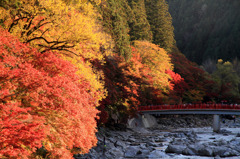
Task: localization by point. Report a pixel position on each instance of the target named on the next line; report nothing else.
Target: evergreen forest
(207, 29)
(68, 67)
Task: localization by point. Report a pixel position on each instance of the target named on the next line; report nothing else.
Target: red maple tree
(43, 102)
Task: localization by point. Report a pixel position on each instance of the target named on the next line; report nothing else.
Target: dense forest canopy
(207, 29)
(70, 66)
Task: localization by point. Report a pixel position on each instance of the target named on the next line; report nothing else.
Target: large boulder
(178, 149)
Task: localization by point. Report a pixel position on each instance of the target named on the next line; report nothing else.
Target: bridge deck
(191, 109)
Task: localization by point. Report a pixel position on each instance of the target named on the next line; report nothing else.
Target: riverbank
(178, 137)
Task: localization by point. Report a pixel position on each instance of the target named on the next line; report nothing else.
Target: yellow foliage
(157, 60)
(68, 26)
(93, 77)
(56, 25)
(220, 61)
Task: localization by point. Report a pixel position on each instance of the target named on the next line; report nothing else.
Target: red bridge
(233, 109)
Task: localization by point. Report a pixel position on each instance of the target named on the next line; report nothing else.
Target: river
(192, 139)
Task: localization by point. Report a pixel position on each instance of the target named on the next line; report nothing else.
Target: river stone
(116, 152)
(199, 149)
(124, 135)
(205, 151)
(152, 144)
(178, 149)
(157, 154)
(142, 153)
(131, 151)
(131, 139)
(121, 144)
(219, 151)
(160, 139)
(230, 153)
(190, 134)
(188, 151)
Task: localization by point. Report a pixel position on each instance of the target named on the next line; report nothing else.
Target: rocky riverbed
(177, 137)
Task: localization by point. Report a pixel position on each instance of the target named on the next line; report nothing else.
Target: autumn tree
(44, 102)
(139, 81)
(157, 60)
(69, 27)
(120, 82)
(198, 85)
(177, 88)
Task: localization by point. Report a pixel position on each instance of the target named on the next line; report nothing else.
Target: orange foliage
(43, 88)
(157, 60)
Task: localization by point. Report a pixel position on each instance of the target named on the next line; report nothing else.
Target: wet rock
(131, 151)
(200, 149)
(219, 151)
(178, 149)
(179, 141)
(157, 154)
(217, 157)
(160, 139)
(205, 151)
(116, 152)
(238, 135)
(153, 144)
(188, 151)
(121, 144)
(143, 146)
(230, 153)
(142, 153)
(131, 139)
(190, 134)
(224, 131)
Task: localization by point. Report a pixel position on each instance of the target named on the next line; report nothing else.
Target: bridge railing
(189, 106)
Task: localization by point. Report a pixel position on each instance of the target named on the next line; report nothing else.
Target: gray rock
(143, 146)
(178, 149)
(116, 152)
(179, 135)
(121, 144)
(160, 139)
(231, 153)
(179, 141)
(153, 144)
(157, 154)
(191, 134)
(142, 153)
(131, 139)
(188, 151)
(124, 135)
(219, 151)
(217, 157)
(199, 149)
(131, 151)
(205, 151)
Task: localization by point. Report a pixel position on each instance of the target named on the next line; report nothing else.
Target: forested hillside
(68, 67)
(207, 29)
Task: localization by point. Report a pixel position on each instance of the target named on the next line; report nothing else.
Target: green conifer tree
(116, 17)
(140, 28)
(161, 23)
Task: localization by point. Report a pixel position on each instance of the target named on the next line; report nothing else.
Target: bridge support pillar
(216, 123)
